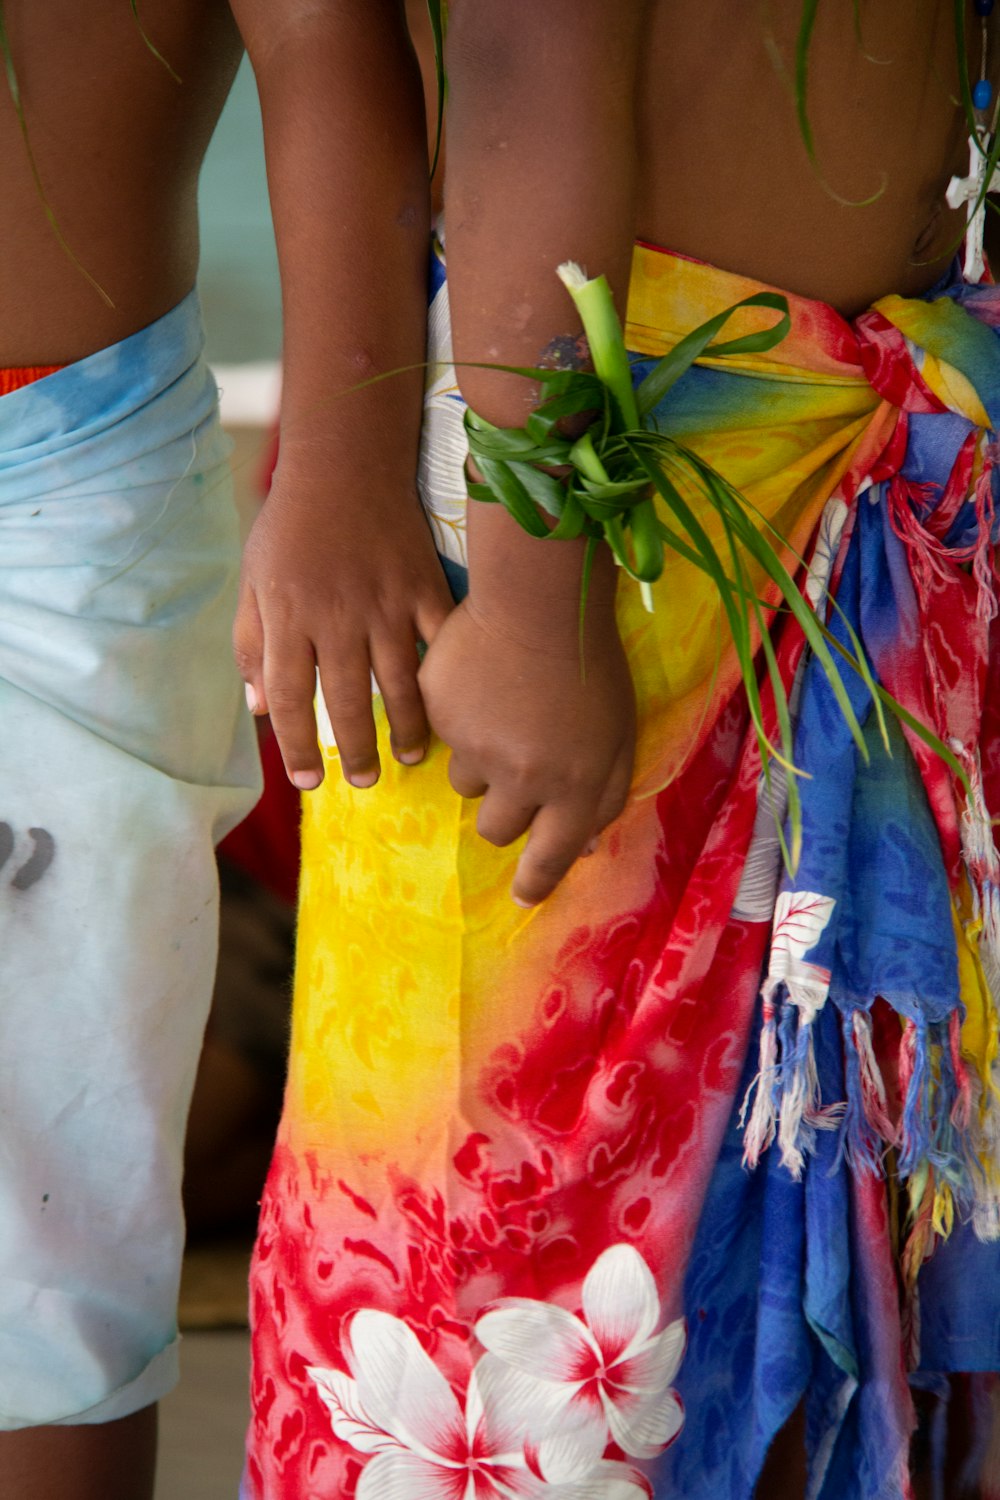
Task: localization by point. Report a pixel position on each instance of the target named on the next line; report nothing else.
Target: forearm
(542, 169)
(345, 141)
(339, 572)
(531, 589)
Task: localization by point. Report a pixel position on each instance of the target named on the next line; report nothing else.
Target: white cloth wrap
(126, 751)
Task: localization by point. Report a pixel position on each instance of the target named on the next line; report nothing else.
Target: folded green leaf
(515, 497)
(668, 370)
(544, 489)
(436, 13)
(642, 491)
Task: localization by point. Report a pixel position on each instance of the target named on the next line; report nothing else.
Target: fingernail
(411, 757)
(307, 781)
(363, 779)
(251, 697)
(524, 905)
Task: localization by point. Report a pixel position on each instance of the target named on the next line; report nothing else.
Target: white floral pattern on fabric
(541, 1407)
(800, 919)
(443, 445)
(827, 546)
(613, 1370)
(758, 887)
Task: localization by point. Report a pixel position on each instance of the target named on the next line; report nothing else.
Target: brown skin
(340, 569)
(118, 144)
(113, 1461)
(548, 161)
(889, 118)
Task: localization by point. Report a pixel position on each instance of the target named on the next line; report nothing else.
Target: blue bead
(982, 94)
(984, 7)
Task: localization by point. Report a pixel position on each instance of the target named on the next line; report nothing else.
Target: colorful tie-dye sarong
(511, 1160)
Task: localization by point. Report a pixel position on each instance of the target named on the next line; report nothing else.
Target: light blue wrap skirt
(126, 752)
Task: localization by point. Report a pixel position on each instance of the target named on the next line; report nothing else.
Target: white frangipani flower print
(613, 1370)
(401, 1412)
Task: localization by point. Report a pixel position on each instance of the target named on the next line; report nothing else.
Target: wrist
(530, 588)
(345, 471)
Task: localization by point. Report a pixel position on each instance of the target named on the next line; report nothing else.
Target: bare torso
(118, 143)
(725, 175)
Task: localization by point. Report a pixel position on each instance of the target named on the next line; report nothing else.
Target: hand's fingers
(466, 781)
(248, 649)
(431, 615)
(396, 675)
(347, 693)
(612, 803)
(615, 794)
(500, 821)
(289, 686)
(559, 834)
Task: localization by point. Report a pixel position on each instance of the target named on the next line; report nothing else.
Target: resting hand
(351, 596)
(548, 748)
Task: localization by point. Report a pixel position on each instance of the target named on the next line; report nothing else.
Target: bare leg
(784, 1473)
(230, 1137)
(109, 1461)
(783, 1476)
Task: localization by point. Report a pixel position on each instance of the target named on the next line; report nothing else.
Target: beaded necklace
(972, 189)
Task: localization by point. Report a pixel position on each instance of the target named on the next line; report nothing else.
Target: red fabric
(13, 380)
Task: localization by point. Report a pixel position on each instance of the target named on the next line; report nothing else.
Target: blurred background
(239, 267)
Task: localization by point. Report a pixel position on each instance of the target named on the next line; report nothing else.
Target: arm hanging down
(340, 570)
(542, 168)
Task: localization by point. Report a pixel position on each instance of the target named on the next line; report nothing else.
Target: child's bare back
(724, 174)
(118, 142)
(721, 169)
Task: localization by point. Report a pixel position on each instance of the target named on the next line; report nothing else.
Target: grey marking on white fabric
(6, 843)
(37, 863)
